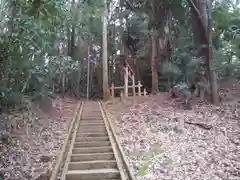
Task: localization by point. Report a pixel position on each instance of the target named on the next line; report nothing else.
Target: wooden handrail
(128, 65)
(133, 86)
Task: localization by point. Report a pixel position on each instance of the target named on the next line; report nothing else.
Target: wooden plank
(119, 87)
(122, 87)
(106, 118)
(95, 164)
(65, 168)
(92, 174)
(92, 150)
(120, 168)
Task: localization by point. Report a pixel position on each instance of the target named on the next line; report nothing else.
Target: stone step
(93, 174)
(91, 120)
(92, 157)
(91, 110)
(86, 110)
(93, 130)
(93, 104)
(101, 164)
(105, 149)
(92, 144)
(92, 117)
(91, 123)
(89, 139)
(90, 126)
(91, 113)
(91, 134)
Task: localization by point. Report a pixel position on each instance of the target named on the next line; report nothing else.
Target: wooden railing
(139, 93)
(129, 67)
(129, 73)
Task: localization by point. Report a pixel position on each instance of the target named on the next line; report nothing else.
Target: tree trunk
(91, 82)
(63, 84)
(106, 92)
(88, 67)
(229, 62)
(169, 34)
(71, 33)
(154, 64)
(72, 42)
(201, 11)
(80, 66)
(211, 71)
(69, 41)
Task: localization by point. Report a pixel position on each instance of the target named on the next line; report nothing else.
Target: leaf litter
(31, 156)
(163, 141)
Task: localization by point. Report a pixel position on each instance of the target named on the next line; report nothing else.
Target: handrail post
(133, 83)
(126, 81)
(113, 93)
(144, 92)
(139, 88)
(122, 97)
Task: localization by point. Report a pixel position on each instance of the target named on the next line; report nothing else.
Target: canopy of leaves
(34, 31)
(35, 35)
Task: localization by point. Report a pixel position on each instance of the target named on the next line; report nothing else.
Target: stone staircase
(91, 155)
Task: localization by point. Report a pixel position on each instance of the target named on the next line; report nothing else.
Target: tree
(201, 12)
(44, 46)
(106, 92)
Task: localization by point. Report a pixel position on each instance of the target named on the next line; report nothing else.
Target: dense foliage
(45, 45)
(35, 58)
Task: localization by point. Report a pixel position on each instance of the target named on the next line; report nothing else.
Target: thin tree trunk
(88, 67)
(169, 34)
(229, 62)
(91, 77)
(106, 92)
(80, 63)
(212, 74)
(122, 45)
(63, 84)
(154, 64)
(69, 41)
(72, 41)
(71, 33)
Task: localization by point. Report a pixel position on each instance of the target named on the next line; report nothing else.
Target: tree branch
(129, 6)
(195, 9)
(202, 125)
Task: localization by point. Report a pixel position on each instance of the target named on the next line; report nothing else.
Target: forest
(53, 53)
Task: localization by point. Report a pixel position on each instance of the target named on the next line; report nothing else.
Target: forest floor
(163, 141)
(29, 154)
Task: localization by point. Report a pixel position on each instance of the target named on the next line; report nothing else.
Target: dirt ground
(164, 141)
(30, 152)
(161, 139)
